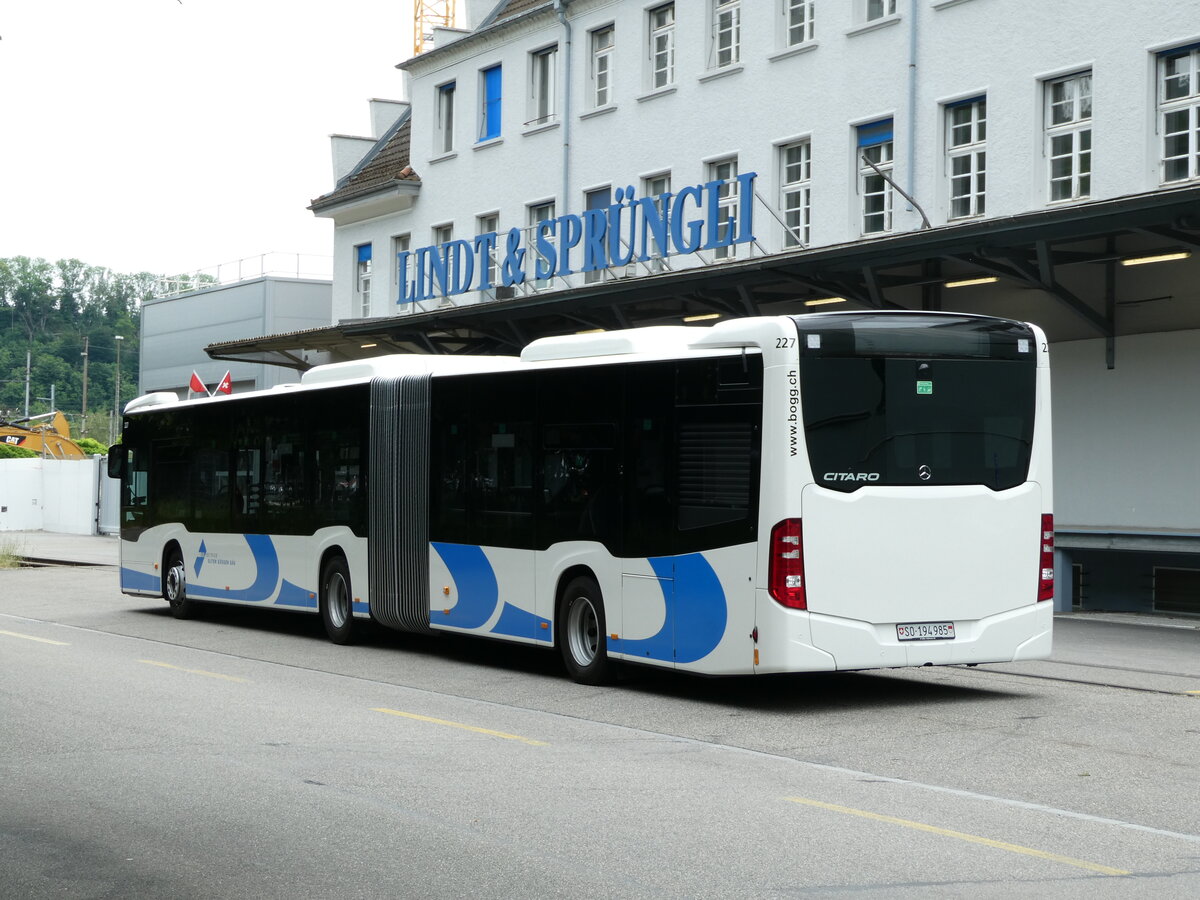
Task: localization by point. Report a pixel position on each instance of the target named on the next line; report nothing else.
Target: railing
(280, 265)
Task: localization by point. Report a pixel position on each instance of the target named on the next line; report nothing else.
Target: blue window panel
(875, 133)
(967, 102)
(364, 252)
(489, 127)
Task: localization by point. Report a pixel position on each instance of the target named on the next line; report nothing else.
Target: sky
(169, 137)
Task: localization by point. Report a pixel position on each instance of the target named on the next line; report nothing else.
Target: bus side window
(647, 438)
(169, 482)
(718, 433)
(449, 453)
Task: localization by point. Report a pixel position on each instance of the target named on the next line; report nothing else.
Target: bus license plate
(925, 631)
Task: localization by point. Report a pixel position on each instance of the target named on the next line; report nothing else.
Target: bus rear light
(1046, 560)
(785, 571)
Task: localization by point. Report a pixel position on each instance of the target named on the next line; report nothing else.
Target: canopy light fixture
(592, 331)
(367, 346)
(821, 301)
(1156, 258)
(967, 282)
(702, 317)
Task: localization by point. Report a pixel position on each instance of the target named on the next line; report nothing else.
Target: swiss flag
(196, 386)
(226, 385)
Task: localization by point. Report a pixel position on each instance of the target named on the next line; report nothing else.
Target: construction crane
(428, 15)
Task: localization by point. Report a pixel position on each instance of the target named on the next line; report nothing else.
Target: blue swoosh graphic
(478, 592)
(521, 623)
(696, 612)
(294, 595)
(266, 561)
(701, 611)
(132, 580)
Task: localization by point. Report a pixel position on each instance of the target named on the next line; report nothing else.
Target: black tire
(174, 587)
(582, 639)
(337, 601)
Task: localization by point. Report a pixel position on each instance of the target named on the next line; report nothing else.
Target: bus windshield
(955, 407)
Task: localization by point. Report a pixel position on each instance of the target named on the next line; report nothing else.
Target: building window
(489, 224)
(444, 137)
(542, 69)
(1069, 136)
(662, 46)
(725, 171)
(966, 157)
(489, 103)
(442, 276)
(362, 281)
(598, 199)
(400, 243)
(602, 59)
(1179, 113)
(797, 21)
(538, 212)
(878, 9)
(726, 33)
(795, 196)
(658, 187)
(874, 155)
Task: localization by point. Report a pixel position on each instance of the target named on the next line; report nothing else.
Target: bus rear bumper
(793, 641)
(1023, 633)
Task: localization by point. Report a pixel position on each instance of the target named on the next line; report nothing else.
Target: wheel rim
(583, 631)
(337, 600)
(176, 583)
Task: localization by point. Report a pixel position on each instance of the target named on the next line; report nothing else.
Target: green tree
(48, 311)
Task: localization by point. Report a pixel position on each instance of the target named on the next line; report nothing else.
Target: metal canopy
(1058, 268)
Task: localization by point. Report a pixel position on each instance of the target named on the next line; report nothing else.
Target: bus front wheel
(174, 589)
(581, 636)
(336, 608)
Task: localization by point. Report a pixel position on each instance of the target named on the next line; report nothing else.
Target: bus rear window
(904, 421)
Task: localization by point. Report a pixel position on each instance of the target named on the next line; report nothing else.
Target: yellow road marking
(974, 839)
(1192, 692)
(163, 665)
(488, 731)
(30, 637)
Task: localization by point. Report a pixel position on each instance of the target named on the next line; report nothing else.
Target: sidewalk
(65, 549)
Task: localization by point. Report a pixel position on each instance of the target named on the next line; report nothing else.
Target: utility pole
(117, 404)
(27, 361)
(85, 362)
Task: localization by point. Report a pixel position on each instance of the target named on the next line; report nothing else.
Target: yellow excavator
(47, 435)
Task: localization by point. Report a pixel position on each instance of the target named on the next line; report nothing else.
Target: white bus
(795, 493)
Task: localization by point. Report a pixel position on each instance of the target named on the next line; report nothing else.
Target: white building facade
(563, 166)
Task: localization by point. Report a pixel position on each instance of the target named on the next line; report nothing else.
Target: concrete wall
(175, 330)
(73, 496)
(1126, 439)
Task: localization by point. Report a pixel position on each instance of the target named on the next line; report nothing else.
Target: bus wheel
(336, 610)
(174, 589)
(581, 637)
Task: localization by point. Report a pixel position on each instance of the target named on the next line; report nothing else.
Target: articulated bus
(830, 491)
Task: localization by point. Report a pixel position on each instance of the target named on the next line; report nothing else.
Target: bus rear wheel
(582, 640)
(337, 612)
(174, 588)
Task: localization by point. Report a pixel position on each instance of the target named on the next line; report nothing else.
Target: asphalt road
(242, 755)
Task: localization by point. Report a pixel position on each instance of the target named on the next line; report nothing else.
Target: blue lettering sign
(631, 228)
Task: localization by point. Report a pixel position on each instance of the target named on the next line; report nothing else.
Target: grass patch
(11, 553)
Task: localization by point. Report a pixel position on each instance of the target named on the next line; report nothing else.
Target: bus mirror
(116, 462)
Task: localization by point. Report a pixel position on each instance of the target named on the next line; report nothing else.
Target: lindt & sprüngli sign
(630, 229)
